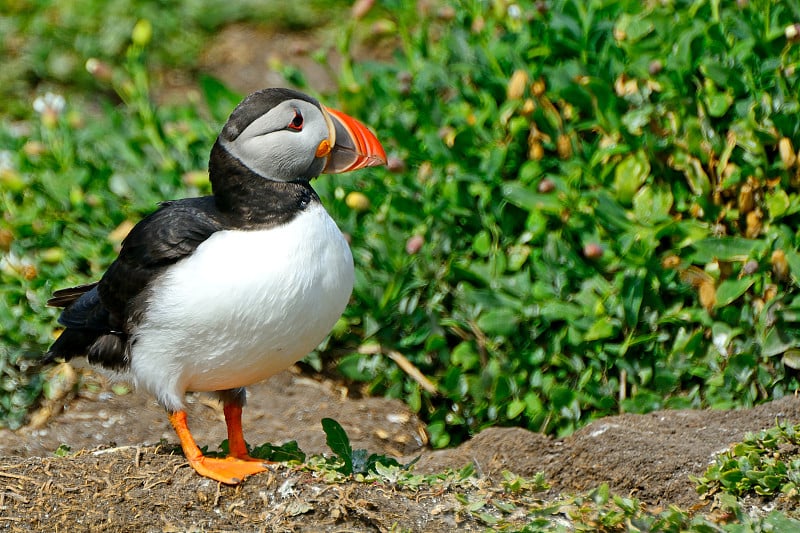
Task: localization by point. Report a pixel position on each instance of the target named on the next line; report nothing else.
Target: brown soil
(124, 476)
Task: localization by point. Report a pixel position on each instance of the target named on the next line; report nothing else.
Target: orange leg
(230, 470)
(236, 445)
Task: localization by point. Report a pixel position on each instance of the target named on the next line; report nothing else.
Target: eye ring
(297, 121)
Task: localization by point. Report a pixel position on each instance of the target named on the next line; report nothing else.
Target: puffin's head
(285, 135)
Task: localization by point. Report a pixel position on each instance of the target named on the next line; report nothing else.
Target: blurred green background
(590, 207)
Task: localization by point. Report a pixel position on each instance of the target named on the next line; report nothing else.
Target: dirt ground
(121, 474)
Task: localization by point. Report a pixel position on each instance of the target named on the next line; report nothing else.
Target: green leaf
(286, 452)
(731, 477)
(376, 460)
(777, 341)
(62, 450)
(652, 204)
(611, 213)
(726, 249)
(633, 27)
(502, 321)
(636, 119)
(482, 244)
(555, 310)
(777, 203)
(793, 258)
(629, 175)
(602, 328)
(718, 103)
(517, 256)
(465, 356)
(778, 521)
(353, 367)
(525, 198)
(731, 289)
(602, 494)
(693, 170)
(515, 408)
(632, 295)
(746, 137)
(337, 440)
(563, 397)
(791, 358)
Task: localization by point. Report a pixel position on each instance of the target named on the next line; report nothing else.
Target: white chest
(244, 306)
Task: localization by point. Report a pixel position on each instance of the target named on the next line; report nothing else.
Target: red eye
(297, 121)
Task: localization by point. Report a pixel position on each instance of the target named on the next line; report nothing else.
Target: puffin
(215, 293)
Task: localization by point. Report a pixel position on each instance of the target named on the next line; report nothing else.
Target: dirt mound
(649, 457)
(128, 482)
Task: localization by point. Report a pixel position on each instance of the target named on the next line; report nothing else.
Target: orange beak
(354, 146)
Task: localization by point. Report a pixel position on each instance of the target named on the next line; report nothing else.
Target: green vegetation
(599, 207)
(358, 461)
(590, 208)
(764, 464)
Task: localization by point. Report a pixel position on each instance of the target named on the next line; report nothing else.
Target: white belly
(244, 306)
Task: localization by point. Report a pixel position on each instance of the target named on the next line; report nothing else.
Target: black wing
(96, 315)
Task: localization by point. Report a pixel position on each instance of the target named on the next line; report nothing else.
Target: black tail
(72, 342)
(64, 297)
(89, 331)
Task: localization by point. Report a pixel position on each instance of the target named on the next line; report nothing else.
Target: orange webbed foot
(230, 470)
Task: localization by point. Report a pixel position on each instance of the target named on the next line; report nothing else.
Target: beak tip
(375, 155)
(378, 160)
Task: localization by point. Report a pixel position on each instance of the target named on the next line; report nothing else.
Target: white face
(281, 144)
